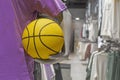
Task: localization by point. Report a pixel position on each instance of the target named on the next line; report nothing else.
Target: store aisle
(77, 68)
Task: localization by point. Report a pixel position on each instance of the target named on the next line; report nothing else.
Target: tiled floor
(77, 70)
(66, 74)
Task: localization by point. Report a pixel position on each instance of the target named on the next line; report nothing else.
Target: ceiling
(76, 3)
(77, 7)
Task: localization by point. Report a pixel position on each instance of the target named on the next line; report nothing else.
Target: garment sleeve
(51, 7)
(94, 70)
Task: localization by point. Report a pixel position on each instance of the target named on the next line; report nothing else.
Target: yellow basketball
(42, 38)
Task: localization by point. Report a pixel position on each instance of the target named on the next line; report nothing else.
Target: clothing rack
(87, 41)
(110, 44)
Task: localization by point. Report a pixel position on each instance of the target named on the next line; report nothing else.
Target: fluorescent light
(77, 18)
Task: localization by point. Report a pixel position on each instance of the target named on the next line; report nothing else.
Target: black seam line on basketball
(43, 35)
(28, 38)
(34, 38)
(41, 39)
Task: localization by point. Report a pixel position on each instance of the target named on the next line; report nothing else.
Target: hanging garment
(84, 50)
(14, 16)
(99, 16)
(116, 20)
(99, 66)
(49, 71)
(87, 52)
(93, 31)
(113, 68)
(107, 18)
(94, 47)
(94, 9)
(44, 77)
(84, 31)
(100, 42)
(117, 71)
(37, 71)
(89, 66)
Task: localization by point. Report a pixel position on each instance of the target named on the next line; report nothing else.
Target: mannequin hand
(60, 55)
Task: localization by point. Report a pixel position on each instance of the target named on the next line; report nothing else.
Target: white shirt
(99, 66)
(116, 19)
(107, 18)
(82, 49)
(93, 31)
